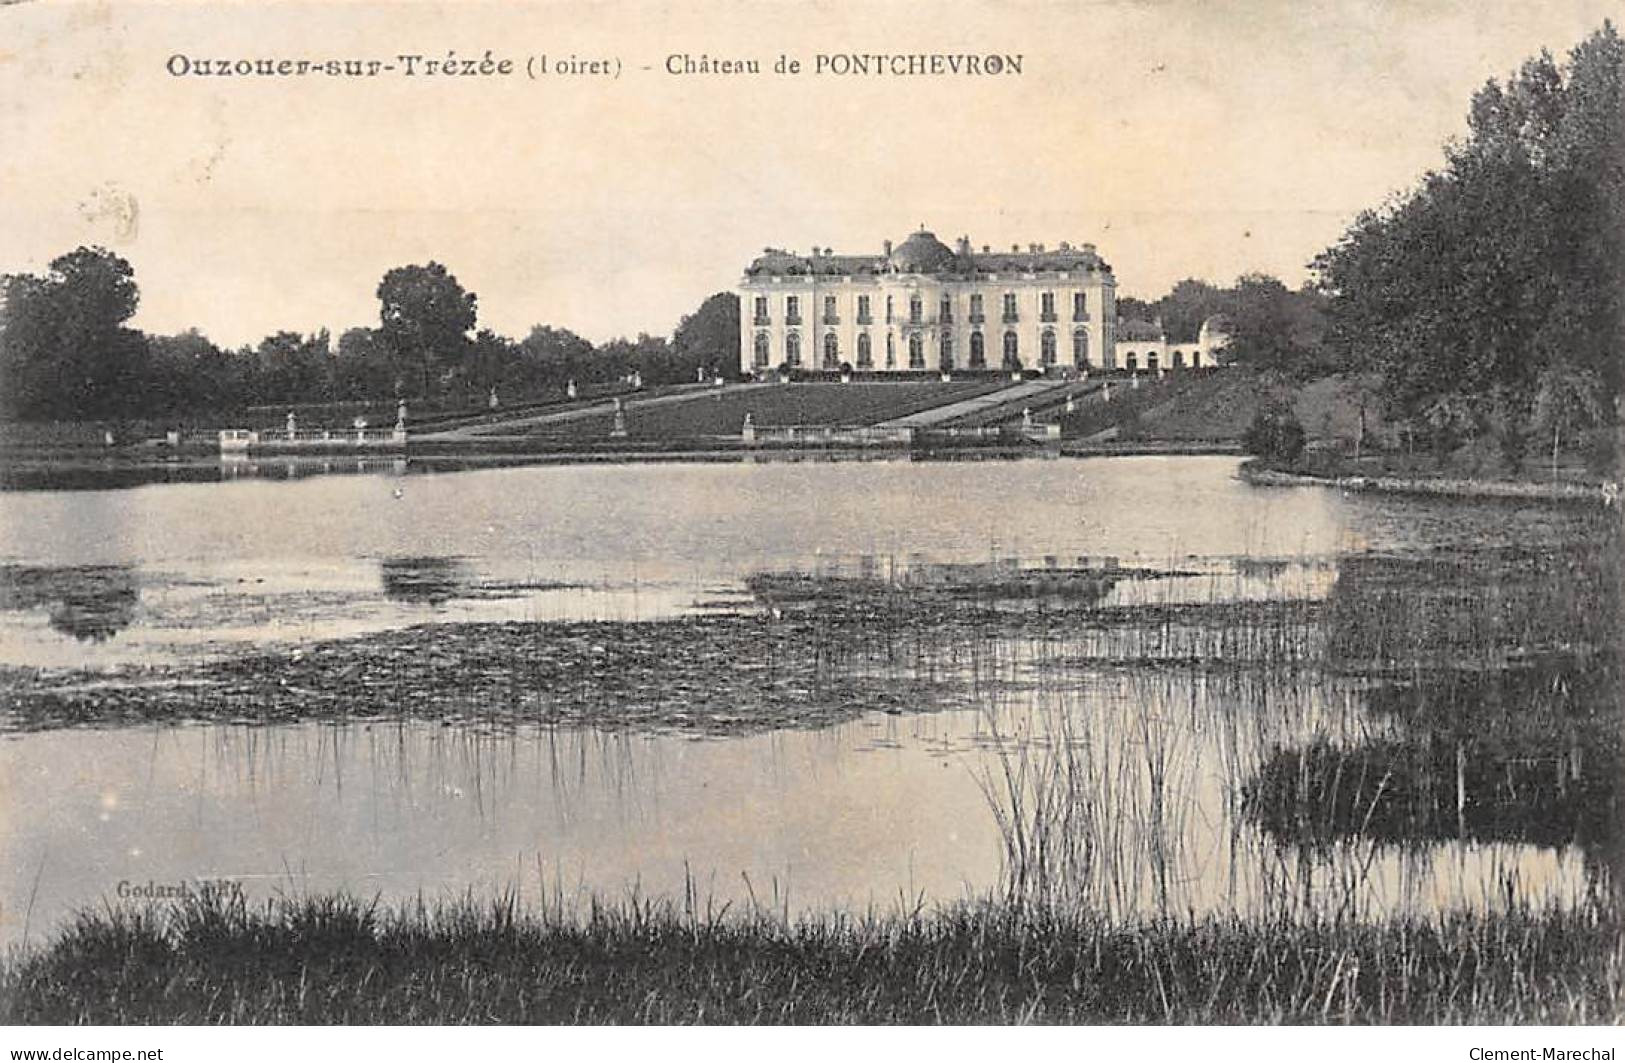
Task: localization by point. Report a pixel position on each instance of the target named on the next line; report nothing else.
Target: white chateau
(923, 306)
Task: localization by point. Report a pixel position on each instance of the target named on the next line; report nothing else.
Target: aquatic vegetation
(335, 959)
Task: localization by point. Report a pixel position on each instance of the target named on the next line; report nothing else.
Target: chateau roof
(923, 253)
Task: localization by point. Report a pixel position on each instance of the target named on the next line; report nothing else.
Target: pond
(1185, 788)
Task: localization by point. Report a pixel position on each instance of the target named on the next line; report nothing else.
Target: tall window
(1010, 306)
(916, 351)
(916, 309)
(947, 312)
(1179, 359)
(1046, 306)
(978, 351)
(891, 349)
(830, 317)
(792, 309)
(1151, 361)
(1046, 346)
(864, 315)
(888, 309)
(1080, 306)
(761, 309)
(1132, 362)
(866, 354)
(832, 351)
(1080, 348)
(763, 352)
(1012, 350)
(976, 308)
(947, 351)
(792, 348)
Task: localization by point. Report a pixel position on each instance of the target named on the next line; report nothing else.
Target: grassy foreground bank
(336, 960)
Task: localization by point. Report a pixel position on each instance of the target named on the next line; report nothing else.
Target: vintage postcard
(957, 512)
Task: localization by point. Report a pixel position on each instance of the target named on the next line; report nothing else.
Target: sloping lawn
(723, 413)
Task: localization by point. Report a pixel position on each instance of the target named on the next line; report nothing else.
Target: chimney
(962, 245)
(886, 248)
(815, 251)
(986, 249)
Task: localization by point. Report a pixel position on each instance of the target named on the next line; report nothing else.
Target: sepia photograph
(815, 513)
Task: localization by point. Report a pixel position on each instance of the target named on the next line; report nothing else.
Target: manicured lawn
(723, 413)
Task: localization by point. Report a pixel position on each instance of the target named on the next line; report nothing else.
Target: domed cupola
(922, 252)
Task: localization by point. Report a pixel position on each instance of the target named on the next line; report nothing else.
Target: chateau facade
(923, 306)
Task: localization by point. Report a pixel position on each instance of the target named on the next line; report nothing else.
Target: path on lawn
(966, 407)
(520, 426)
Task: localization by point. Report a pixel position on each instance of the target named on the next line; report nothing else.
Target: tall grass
(340, 960)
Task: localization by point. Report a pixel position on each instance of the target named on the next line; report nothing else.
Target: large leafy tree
(551, 357)
(187, 373)
(708, 338)
(293, 368)
(1272, 327)
(65, 352)
(426, 318)
(1504, 271)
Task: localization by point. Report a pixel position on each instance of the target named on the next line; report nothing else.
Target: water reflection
(90, 603)
(430, 580)
(1213, 721)
(1529, 756)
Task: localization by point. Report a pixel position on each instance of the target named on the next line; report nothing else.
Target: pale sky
(1183, 138)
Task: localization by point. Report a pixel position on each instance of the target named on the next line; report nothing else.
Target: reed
(341, 960)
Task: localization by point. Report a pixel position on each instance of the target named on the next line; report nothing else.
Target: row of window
(763, 353)
(1131, 360)
(916, 309)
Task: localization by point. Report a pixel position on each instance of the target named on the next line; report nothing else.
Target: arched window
(916, 309)
(832, 351)
(891, 351)
(947, 359)
(1196, 359)
(1151, 361)
(763, 350)
(1012, 350)
(866, 354)
(1179, 359)
(978, 351)
(1046, 346)
(916, 351)
(1132, 362)
(1080, 348)
(792, 348)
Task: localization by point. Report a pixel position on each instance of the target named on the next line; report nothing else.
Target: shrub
(1275, 434)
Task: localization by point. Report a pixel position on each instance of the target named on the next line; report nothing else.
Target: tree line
(1489, 297)
(67, 352)
(1270, 326)
(1488, 301)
